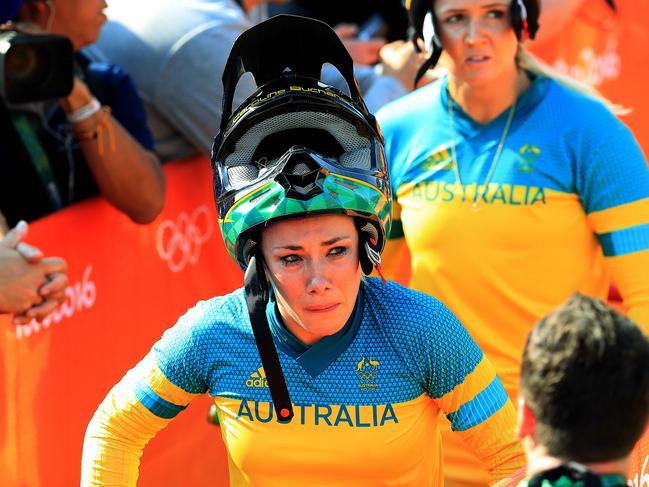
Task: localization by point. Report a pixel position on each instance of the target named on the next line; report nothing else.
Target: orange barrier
(128, 283)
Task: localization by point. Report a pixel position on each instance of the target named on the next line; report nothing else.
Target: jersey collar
(316, 358)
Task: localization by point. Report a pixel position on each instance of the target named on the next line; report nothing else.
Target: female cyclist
(319, 375)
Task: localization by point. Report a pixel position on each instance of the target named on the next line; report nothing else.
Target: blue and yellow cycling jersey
(366, 399)
(566, 208)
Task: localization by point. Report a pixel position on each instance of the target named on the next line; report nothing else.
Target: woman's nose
(473, 31)
(318, 282)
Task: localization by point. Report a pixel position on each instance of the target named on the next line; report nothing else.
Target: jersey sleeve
(613, 184)
(141, 404)
(460, 378)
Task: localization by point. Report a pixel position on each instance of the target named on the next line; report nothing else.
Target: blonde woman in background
(513, 187)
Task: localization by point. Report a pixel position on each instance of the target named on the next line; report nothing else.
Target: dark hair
(585, 376)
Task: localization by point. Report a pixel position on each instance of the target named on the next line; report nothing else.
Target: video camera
(35, 67)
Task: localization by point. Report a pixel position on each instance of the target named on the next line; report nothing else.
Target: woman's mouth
(322, 308)
(477, 59)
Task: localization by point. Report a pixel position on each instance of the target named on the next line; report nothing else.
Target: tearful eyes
(294, 259)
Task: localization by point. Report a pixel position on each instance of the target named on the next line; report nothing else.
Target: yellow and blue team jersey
(366, 399)
(566, 208)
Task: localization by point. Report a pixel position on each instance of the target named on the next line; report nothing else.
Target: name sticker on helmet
(269, 95)
(244, 109)
(313, 90)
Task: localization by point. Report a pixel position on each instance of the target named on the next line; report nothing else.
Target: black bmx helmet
(295, 147)
(525, 21)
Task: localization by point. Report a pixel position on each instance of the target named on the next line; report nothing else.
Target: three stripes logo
(257, 379)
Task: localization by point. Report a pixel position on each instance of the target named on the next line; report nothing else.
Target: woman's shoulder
(417, 324)
(565, 99)
(395, 303)
(584, 120)
(217, 314)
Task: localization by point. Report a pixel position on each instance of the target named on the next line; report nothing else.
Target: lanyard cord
(492, 168)
(65, 139)
(38, 157)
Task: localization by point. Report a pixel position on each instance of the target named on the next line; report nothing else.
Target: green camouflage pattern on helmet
(341, 194)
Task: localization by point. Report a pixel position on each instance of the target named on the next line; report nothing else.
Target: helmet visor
(338, 144)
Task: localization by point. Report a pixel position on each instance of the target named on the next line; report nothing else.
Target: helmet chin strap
(256, 287)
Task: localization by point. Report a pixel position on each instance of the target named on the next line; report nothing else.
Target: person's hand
(362, 52)
(401, 61)
(52, 292)
(13, 240)
(19, 282)
(31, 286)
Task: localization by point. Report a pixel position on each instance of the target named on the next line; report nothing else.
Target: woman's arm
(139, 406)
(466, 388)
(485, 418)
(613, 185)
(144, 402)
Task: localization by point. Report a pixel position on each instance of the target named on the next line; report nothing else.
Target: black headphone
(525, 21)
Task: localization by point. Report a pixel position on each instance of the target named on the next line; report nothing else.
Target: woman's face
(313, 267)
(79, 20)
(478, 37)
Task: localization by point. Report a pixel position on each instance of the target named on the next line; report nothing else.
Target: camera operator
(93, 141)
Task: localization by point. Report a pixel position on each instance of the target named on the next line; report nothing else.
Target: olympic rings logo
(179, 243)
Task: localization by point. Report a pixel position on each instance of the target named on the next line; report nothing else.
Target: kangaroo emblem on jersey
(366, 371)
(528, 154)
(438, 161)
